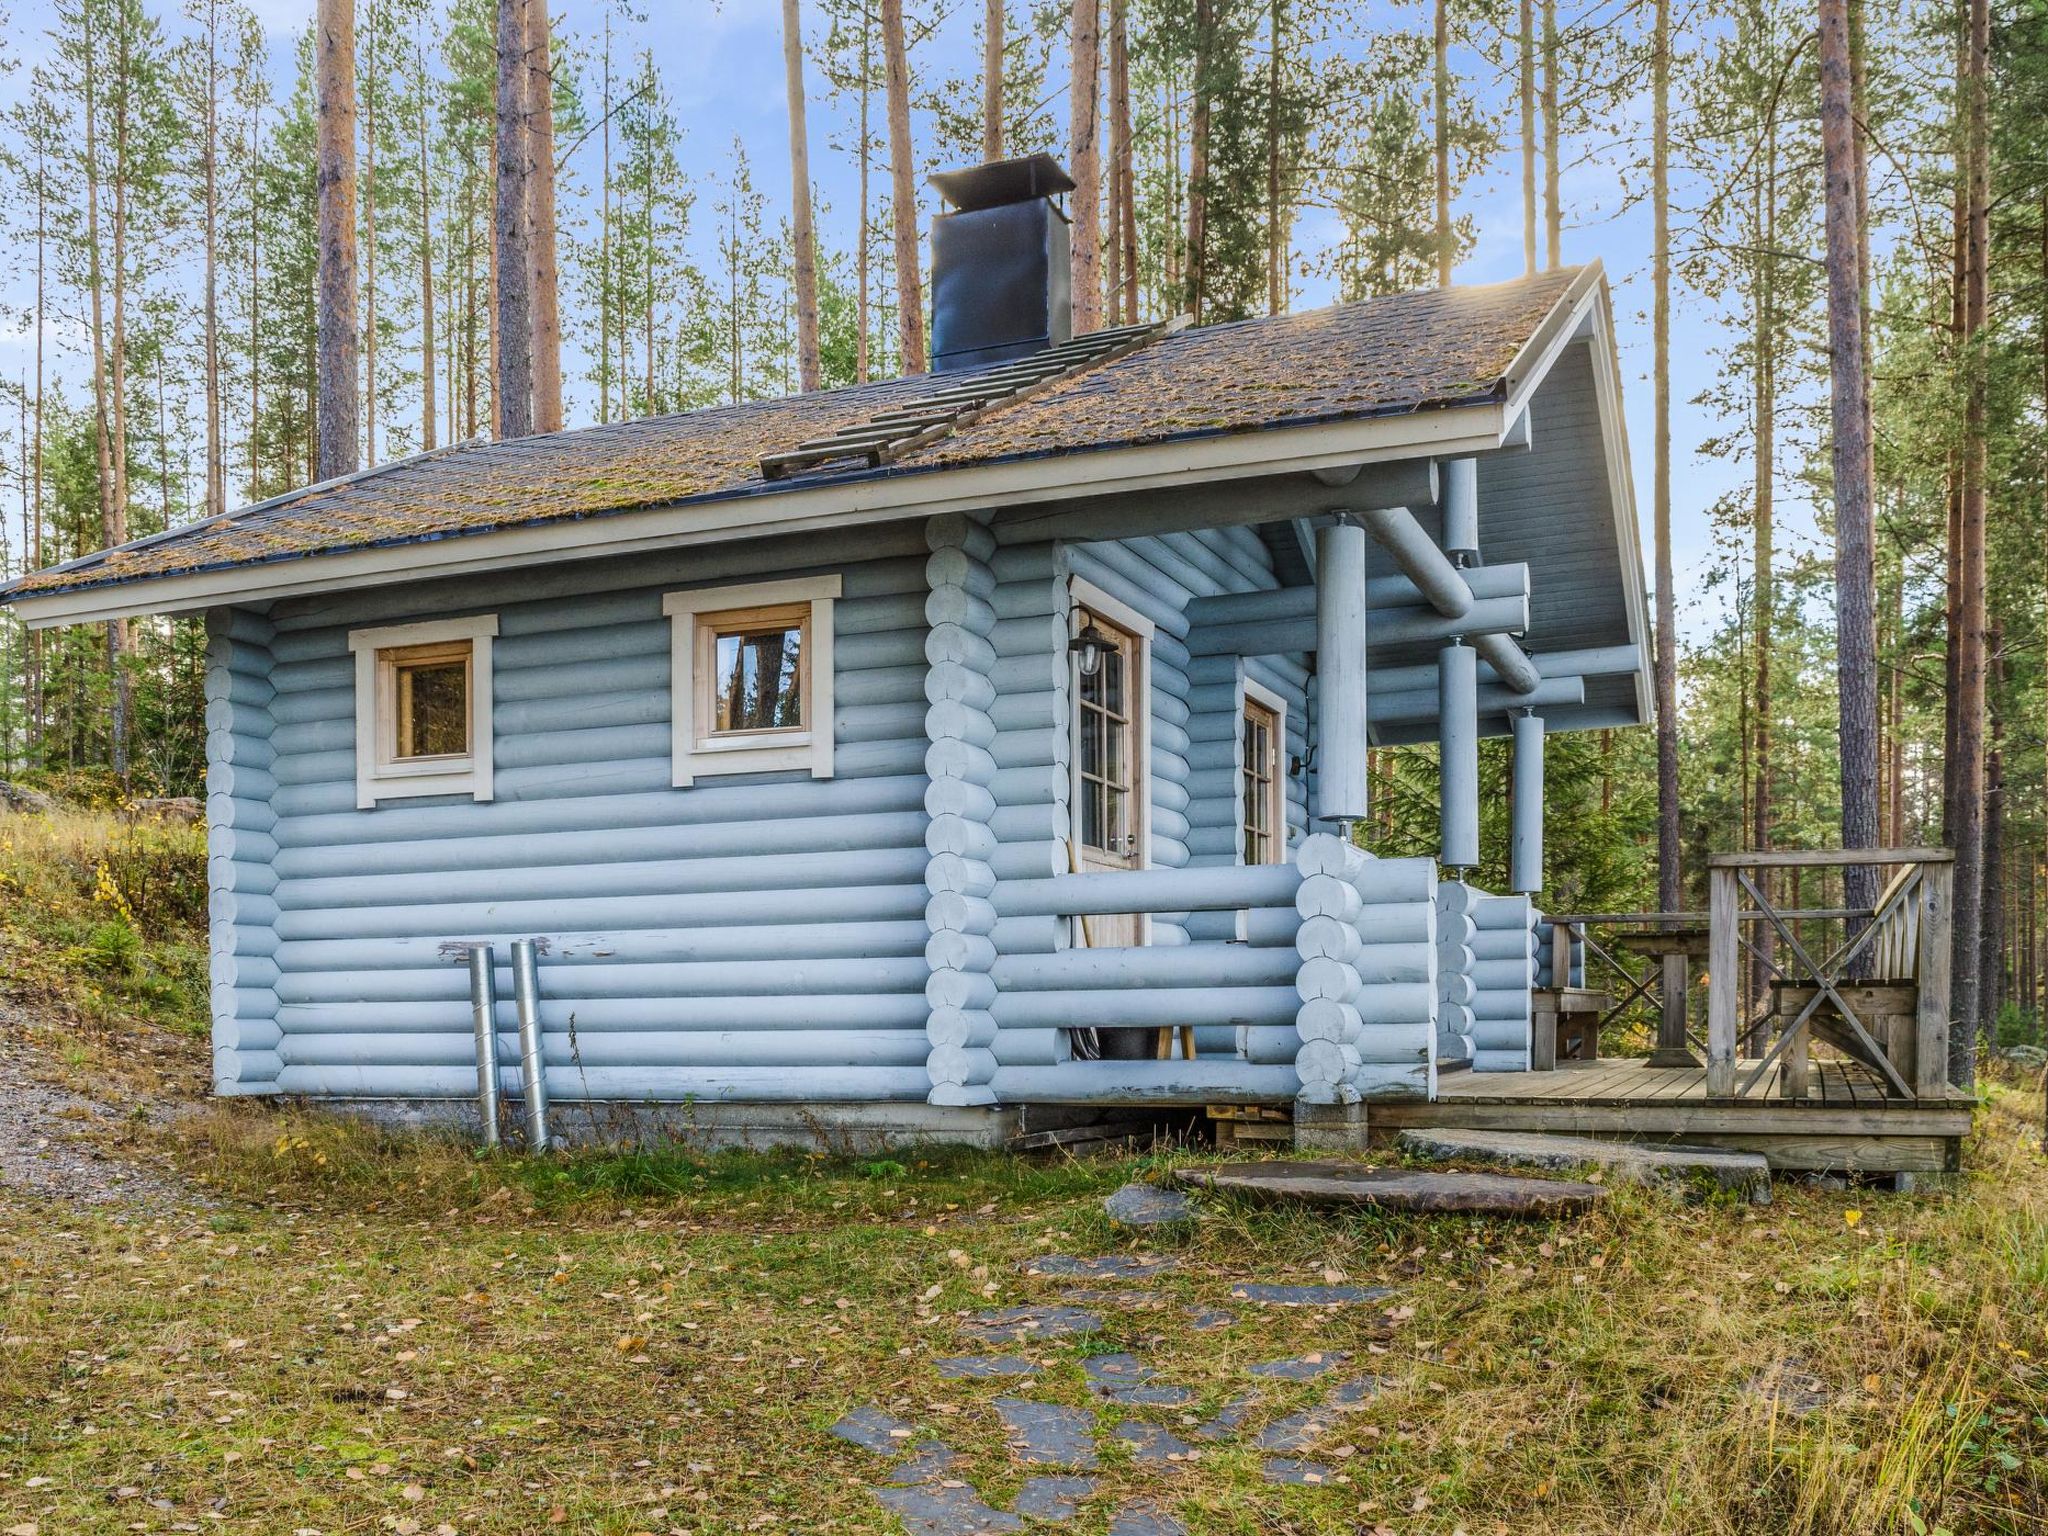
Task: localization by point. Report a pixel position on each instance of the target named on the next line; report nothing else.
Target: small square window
(423, 709)
(756, 678)
(753, 677)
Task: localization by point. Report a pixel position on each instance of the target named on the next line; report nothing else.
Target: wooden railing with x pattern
(1880, 996)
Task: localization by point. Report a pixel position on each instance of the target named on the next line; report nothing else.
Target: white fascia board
(1442, 433)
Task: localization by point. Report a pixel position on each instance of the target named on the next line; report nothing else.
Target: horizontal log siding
(1367, 943)
(1546, 938)
(747, 938)
(240, 852)
(1503, 972)
(1455, 929)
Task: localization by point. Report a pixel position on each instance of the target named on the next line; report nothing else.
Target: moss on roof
(1377, 357)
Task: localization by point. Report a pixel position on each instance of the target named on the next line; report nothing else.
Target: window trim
(1257, 693)
(698, 754)
(380, 776)
(1084, 595)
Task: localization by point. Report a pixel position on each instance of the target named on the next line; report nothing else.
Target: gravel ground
(47, 1147)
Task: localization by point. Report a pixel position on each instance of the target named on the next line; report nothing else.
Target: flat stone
(1147, 1205)
(1230, 1418)
(1353, 1394)
(1091, 1296)
(928, 1463)
(983, 1367)
(1114, 1266)
(1048, 1434)
(1128, 1380)
(1789, 1387)
(1285, 1469)
(1008, 1325)
(1398, 1189)
(1148, 1442)
(1747, 1174)
(1208, 1319)
(1052, 1499)
(1145, 1520)
(873, 1430)
(943, 1511)
(1302, 1367)
(1308, 1295)
(1296, 1432)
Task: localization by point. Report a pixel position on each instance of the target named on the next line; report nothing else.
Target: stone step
(1747, 1174)
(1397, 1189)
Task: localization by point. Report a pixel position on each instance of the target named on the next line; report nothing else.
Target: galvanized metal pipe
(483, 1008)
(533, 1083)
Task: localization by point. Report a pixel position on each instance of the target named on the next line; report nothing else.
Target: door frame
(1084, 596)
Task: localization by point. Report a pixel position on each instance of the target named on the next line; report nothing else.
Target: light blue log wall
(241, 852)
(1503, 971)
(748, 938)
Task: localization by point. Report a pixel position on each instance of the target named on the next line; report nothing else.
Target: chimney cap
(1003, 181)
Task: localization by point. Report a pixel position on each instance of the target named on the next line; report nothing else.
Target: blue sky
(722, 66)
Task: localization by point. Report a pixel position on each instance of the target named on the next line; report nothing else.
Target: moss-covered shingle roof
(1382, 356)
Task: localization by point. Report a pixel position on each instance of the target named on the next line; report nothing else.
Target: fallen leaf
(1852, 1217)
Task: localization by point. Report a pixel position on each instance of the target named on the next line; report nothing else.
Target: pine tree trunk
(1970, 659)
(541, 242)
(992, 25)
(1442, 114)
(1855, 533)
(427, 404)
(1991, 945)
(1198, 161)
(1765, 495)
(120, 634)
(1669, 884)
(338, 423)
(216, 465)
(903, 191)
(1084, 96)
(38, 558)
(1126, 243)
(1553, 209)
(369, 196)
(513, 307)
(1525, 59)
(802, 235)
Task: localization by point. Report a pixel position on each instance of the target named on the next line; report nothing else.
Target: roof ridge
(922, 420)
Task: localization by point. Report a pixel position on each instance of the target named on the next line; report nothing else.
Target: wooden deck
(1847, 1124)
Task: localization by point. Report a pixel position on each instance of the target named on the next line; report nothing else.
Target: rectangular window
(753, 677)
(1107, 760)
(423, 709)
(1264, 832)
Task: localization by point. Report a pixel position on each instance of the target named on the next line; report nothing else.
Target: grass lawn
(368, 1332)
(335, 1329)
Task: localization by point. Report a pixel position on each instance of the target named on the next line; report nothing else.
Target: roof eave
(1445, 431)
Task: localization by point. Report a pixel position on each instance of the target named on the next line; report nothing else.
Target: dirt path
(48, 1149)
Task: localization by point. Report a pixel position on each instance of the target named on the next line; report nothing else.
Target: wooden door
(1110, 770)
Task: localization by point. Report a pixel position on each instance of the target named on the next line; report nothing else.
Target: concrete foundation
(846, 1129)
(1329, 1127)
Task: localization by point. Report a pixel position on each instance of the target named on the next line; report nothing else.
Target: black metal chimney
(1000, 265)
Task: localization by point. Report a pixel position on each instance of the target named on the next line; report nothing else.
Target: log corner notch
(959, 1026)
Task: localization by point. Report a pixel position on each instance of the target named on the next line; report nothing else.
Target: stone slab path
(1747, 1174)
(943, 1511)
(983, 1367)
(1115, 1266)
(1048, 1434)
(1052, 1499)
(1302, 1368)
(1146, 1205)
(1011, 1325)
(1308, 1295)
(1398, 1189)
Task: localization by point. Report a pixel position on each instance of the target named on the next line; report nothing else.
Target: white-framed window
(1110, 731)
(423, 709)
(1262, 796)
(752, 677)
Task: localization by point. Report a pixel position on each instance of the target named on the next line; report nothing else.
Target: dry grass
(370, 1330)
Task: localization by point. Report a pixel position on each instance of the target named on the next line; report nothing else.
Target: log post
(1340, 671)
(1723, 966)
(1458, 770)
(1931, 1010)
(1526, 854)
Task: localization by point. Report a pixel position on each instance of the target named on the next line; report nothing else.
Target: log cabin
(886, 761)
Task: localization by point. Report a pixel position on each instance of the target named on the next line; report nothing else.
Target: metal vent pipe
(533, 1082)
(483, 1008)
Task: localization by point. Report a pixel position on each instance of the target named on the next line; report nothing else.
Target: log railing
(1903, 939)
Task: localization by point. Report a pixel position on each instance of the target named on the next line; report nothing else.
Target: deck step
(1396, 1189)
(1747, 1174)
